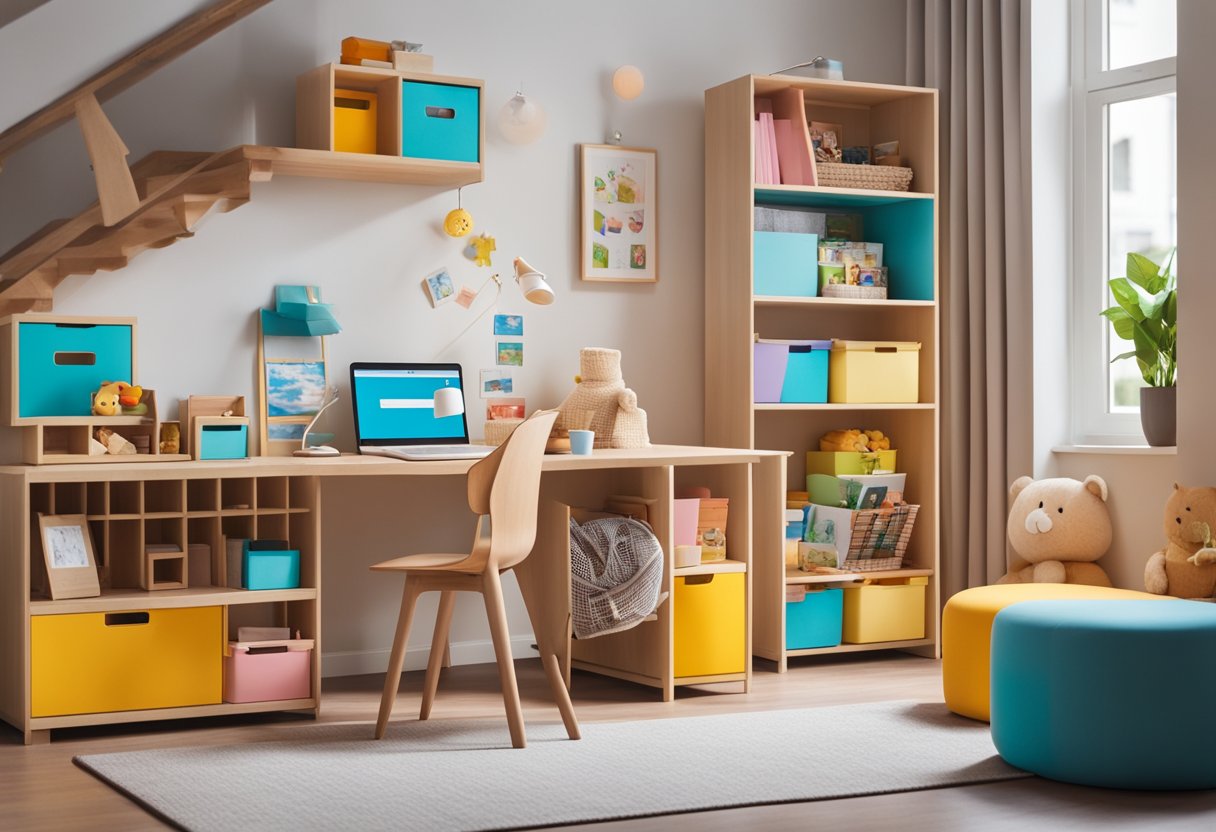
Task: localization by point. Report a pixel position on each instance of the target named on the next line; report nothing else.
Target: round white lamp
(521, 120)
(628, 82)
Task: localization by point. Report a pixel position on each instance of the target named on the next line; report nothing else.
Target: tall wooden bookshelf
(907, 224)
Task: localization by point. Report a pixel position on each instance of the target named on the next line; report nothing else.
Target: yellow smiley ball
(458, 222)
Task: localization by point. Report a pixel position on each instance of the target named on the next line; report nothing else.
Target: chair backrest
(506, 486)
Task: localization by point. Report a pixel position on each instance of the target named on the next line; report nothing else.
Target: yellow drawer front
(877, 612)
(354, 121)
(710, 625)
(861, 377)
(97, 662)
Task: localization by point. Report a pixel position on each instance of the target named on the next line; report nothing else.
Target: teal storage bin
(59, 365)
(806, 373)
(815, 621)
(271, 569)
(223, 441)
(440, 121)
(785, 264)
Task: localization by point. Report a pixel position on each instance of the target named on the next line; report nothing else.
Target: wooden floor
(40, 788)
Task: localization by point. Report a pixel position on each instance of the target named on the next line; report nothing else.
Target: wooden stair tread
(178, 188)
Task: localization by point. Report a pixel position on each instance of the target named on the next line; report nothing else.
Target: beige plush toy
(601, 402)
(1186, 567)
(1057, 528)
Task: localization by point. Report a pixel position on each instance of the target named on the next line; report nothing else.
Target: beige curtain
(976, 53)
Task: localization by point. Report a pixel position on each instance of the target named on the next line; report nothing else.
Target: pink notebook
(788, 105)
(788, 157)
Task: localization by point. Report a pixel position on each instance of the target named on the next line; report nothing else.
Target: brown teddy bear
(1057, 528)
(1186, 567)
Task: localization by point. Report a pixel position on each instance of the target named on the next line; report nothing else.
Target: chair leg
(497, 613)
(558, 685)
(392, 679)
(439, 645)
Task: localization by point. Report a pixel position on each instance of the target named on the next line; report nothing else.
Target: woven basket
(869, 177)
(880, 538)
(497, 430)
(841, 290)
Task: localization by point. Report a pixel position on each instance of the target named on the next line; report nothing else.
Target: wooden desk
(129, 505)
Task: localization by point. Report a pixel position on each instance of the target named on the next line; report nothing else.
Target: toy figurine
(106, 399)
(482, 246)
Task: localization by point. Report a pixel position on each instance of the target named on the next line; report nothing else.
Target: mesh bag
(616, 570)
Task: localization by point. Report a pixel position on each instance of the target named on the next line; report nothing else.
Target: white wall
(368, 246)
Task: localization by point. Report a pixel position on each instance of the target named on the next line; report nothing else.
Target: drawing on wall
(618, 194)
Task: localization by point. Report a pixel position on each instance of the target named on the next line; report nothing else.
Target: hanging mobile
(458, 222)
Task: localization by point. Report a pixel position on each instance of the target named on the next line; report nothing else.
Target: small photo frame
(618, 211)
(67, 549)
(509, 353)
(510, 325)
(439, 287)
(495, 383)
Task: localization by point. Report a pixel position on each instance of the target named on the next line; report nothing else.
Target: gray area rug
(457, 774)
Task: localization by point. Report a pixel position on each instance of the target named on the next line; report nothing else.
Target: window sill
(1123, 450)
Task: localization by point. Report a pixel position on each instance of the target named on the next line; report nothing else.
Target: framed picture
(618, 213)
(67, 548)
(439, 287)
(294, 390)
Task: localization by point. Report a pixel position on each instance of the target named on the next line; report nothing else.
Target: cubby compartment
(69, 498)
(126, 497)
(164, 496)
(271, 494)
(202, 496)
(349, 109)
(236, 494)
(97, 499)
(272, 527)
(126, 553)
(204, 550)
(42, 500)
(303, 493)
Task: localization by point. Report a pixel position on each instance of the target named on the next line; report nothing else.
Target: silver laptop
(395, 412)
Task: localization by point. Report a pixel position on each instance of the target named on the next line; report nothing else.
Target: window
(1124, 191)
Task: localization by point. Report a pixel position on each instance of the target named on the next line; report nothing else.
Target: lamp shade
(532, 284)
(522, 120)
(449, 401)
(628, 82)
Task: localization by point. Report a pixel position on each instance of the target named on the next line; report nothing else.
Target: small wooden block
(413, 62)
(156, 553)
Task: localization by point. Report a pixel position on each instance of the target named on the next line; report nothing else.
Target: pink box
(265, 677)
(685, 515)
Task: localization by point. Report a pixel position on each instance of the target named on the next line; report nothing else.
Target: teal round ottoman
(1119, 694)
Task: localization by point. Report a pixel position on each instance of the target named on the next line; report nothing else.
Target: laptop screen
(394, 404)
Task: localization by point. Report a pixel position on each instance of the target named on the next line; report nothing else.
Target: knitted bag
(616, 570)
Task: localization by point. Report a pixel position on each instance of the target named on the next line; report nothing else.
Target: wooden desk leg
(544, 582)
(42, 737)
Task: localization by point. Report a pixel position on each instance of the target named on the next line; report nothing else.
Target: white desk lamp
(532, 285)
(449, 401)
(331, 396)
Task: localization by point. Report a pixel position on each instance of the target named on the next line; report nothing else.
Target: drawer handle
(76, 326)
(122, 619)
(886, 349)
(218, 428)
(440, 112)
(352, 103)
(259, 651)
(76, 359)
(696, 580)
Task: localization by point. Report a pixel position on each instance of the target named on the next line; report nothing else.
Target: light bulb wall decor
(522, 119)
(628, 82)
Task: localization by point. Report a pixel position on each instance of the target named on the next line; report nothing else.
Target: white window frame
(1093, 89)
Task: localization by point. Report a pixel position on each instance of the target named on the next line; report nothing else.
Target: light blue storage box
(785, 264)
(815, 621)
(60, 364)
(271, 569)
(440, 121)
(224, 441)
(806, 373)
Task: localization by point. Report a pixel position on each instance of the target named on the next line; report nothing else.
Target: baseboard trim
(361, 662)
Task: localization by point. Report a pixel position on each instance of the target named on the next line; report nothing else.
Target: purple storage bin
(769, 373)
(776, 380)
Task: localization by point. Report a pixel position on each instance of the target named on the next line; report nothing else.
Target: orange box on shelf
(356, 50)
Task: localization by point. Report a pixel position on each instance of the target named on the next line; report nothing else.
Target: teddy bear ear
(1019, 485)
(1097, 486)
(1177, 487)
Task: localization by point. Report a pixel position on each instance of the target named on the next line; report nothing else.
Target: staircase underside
(176, 189)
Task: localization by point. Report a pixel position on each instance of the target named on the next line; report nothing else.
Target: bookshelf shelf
(906, 223)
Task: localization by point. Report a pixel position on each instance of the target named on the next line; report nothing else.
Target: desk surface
(354, 465)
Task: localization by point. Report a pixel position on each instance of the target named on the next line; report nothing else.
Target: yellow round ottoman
(967, 634)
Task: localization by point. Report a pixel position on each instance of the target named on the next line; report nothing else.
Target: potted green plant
(1146, 313)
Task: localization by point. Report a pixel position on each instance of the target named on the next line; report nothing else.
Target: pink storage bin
(265, 677)
(685, 515)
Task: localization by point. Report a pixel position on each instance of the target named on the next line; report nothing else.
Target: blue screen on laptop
(398, 403)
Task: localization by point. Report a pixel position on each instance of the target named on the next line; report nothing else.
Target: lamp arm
(324, 406)
(497, 294)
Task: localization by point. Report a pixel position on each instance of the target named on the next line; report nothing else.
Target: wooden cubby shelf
(795, 576)
(905, 223)
(207, 596)
(718, 567)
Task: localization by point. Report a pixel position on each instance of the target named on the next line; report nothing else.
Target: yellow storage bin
(125, 661)
(354, 121)
(846, 463)
(710, 624)
(861, 372)
(890, 609)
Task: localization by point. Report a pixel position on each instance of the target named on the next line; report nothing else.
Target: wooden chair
(506, 486)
